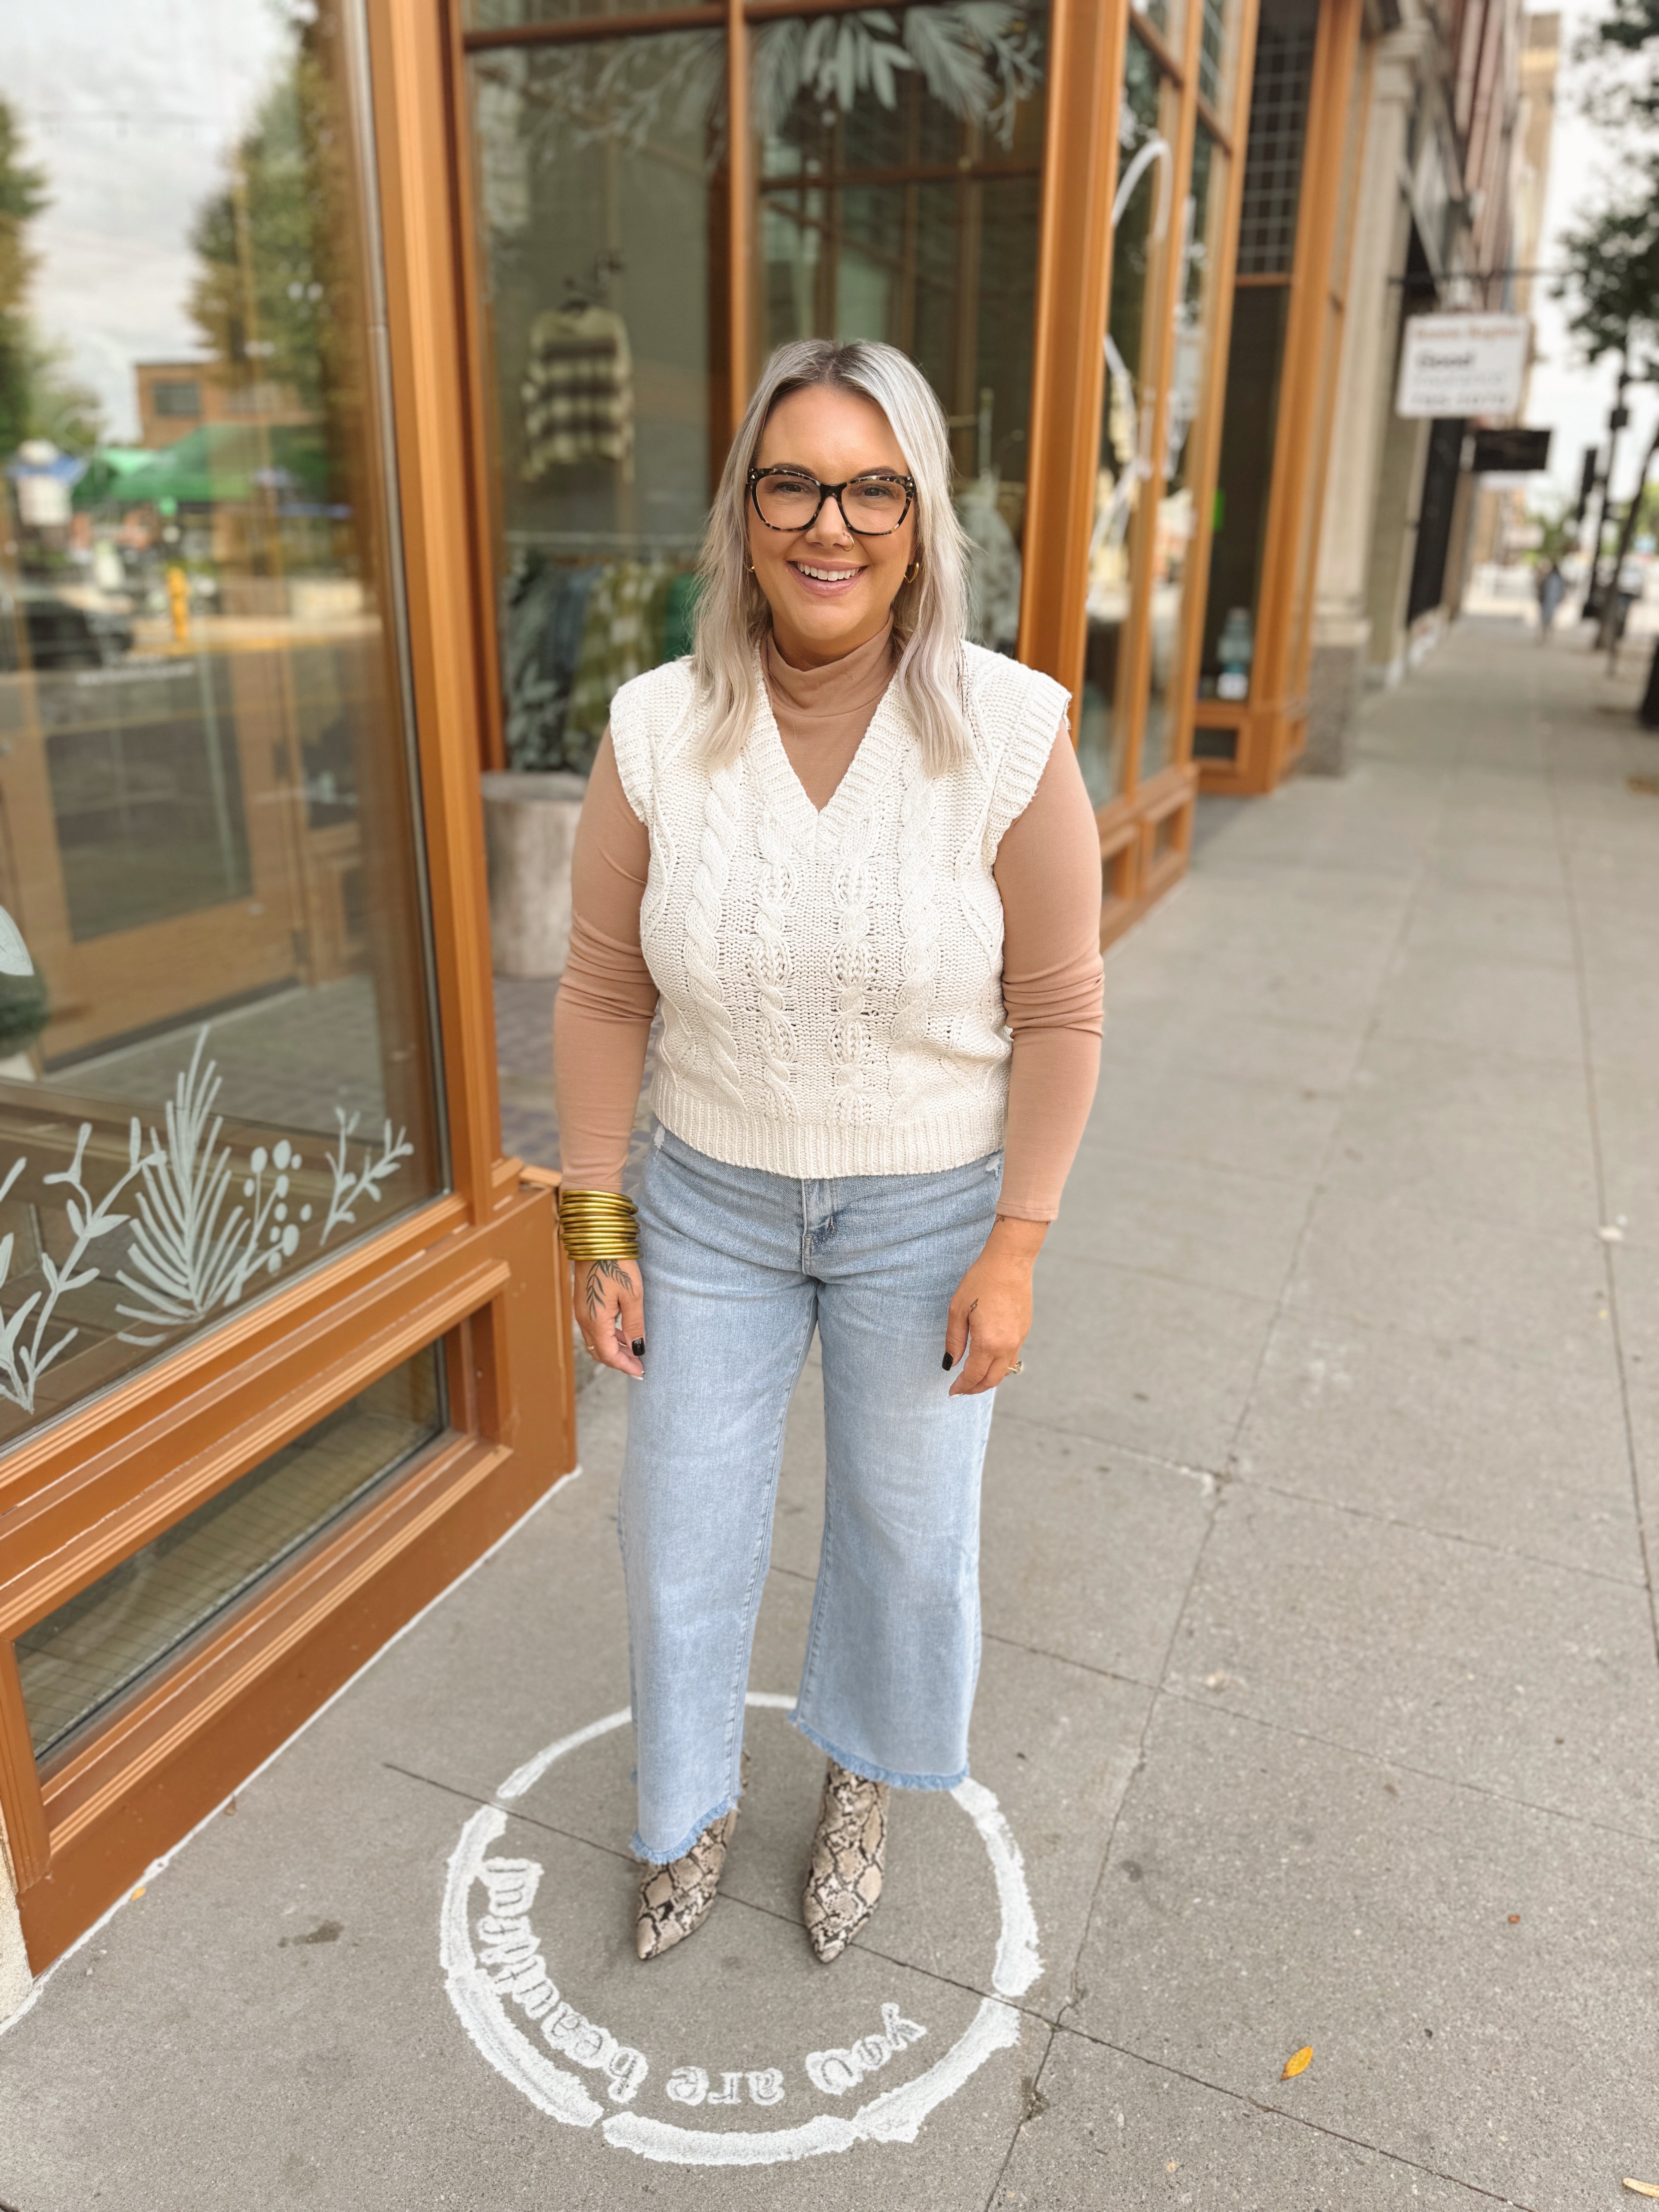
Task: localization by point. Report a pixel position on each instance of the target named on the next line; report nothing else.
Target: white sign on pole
(1463, 365)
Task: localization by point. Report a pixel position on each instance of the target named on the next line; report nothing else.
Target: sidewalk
(1319, 1691)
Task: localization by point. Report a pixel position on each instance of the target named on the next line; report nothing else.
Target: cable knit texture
(831, 983)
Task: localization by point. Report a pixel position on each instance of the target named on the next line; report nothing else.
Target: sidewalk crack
(1296, 2119)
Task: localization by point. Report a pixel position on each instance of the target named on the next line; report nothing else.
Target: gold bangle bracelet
(598, 1225)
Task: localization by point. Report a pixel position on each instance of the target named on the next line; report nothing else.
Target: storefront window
(899, 173)
(1120, 544)
(1267, 248)
(1204, 218)
(216, 1059)
(596, 164)
(105, 1641)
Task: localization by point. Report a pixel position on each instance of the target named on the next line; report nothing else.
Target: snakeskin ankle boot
(843, 1884)
(675, 1899)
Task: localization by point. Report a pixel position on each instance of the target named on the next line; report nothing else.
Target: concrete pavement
(1320, 1689)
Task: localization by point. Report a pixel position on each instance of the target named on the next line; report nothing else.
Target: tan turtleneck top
(1047, 870)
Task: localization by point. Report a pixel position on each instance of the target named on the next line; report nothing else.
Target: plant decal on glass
(23, 1360)
(190, 1256)
(349, 1188)
(197, 1241)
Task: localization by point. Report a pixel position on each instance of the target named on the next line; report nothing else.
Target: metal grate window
(1279, 130)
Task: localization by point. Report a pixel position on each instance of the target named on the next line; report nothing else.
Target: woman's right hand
(610, 1312)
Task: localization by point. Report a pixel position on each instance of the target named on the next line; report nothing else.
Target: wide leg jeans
(739, 1268)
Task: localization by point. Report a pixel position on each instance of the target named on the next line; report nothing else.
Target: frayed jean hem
(641, 1849)
(873, 1773)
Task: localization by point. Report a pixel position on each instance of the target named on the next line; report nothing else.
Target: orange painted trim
(176, 1749)
(408, 54)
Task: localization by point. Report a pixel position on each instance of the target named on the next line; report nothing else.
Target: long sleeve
(1047, 870)
(602, 1016)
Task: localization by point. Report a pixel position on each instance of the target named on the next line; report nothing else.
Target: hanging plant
(978, 59)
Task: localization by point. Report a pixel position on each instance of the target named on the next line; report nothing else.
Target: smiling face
(830, 591)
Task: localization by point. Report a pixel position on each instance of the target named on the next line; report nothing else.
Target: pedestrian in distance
(1551, 587)
(849, 855)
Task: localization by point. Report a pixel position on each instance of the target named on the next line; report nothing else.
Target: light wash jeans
(740, 1267)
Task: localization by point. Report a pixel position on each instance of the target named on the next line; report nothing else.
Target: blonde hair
(930, 613)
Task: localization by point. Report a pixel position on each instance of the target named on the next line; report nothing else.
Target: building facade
(411, 381)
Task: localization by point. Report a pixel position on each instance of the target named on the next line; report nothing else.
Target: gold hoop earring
(912, 572)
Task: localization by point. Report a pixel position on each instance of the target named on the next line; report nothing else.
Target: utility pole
(1588, 478)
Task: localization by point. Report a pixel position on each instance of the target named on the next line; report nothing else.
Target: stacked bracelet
(598, 1225)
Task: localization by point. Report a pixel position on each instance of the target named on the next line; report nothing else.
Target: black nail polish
(638, 1347)
(948, 1363)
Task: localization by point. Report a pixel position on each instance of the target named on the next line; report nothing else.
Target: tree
(1619, 53)
(1556, 533)
(38, 398)
(273, 244)
(22, 195)
(1612, 273)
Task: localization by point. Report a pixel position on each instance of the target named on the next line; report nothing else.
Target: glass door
(256, 1245)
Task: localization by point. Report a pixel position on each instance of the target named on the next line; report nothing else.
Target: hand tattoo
(599, 1272)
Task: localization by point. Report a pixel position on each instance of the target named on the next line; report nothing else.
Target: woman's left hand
(991, 1313)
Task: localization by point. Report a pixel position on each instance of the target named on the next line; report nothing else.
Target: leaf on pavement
(1642, 2188)
(1297, 2064)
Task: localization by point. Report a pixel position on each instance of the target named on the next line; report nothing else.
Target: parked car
(60, 635)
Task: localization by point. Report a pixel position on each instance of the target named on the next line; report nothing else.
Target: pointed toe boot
(675, 1898)
(843, 1883)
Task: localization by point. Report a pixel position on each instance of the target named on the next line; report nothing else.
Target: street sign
(1463, 365)
(1514, 452)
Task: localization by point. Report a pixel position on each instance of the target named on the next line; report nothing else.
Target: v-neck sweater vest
(831, 983)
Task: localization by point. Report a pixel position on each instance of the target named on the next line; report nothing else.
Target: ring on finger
(1016, 1367)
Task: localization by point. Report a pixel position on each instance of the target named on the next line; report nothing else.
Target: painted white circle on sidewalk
(503, 1989)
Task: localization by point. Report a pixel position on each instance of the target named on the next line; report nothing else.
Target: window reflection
(1255, 357)
(1134, 348)
(899, 162)
(1203, 218)
(598, 164)
(215, 1059)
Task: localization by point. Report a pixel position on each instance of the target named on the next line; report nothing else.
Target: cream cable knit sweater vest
(831, 983)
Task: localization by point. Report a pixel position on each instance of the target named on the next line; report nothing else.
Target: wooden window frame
(478, 1269)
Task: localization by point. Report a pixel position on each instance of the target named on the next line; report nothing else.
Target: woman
(848, 853)
(1552, 587)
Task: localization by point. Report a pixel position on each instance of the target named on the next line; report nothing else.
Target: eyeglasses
(870, 507)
